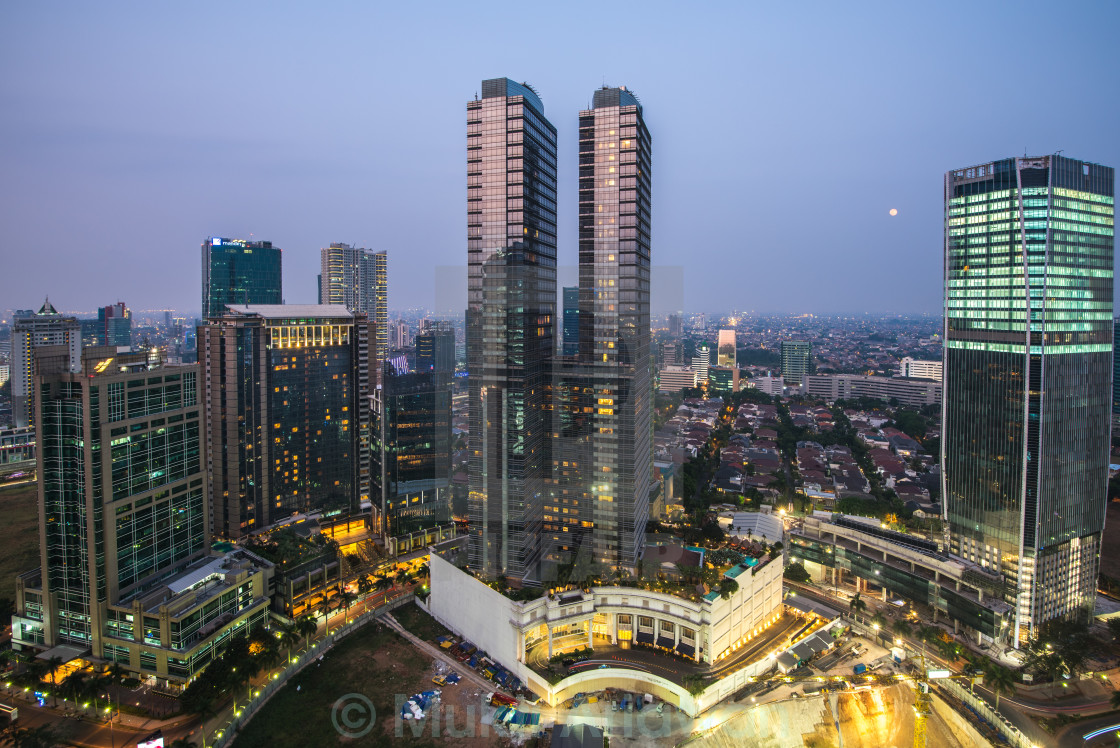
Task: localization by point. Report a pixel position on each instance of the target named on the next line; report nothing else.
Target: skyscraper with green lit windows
(1028, 372)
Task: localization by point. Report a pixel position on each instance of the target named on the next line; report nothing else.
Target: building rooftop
(289, 311)
(496, 87)
(620, 96)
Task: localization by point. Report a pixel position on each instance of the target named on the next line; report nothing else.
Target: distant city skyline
(114, 172)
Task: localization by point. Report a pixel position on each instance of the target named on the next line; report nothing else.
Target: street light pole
(112, 737)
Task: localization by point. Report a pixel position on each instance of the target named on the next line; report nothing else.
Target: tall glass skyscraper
(511, 297)
(1116, 367)
(287, 412)
(1028, 364)
(615, 151)
(570, 343)
(235, 271)
(411, 436)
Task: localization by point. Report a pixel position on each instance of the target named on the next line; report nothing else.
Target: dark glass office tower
(435, 349)
(114, 325)
(235, 271)
(1116, 367)
(287, 412)
(511, 295)
(411, 437)
(615, 152)
(1028, 366)
(570, 345)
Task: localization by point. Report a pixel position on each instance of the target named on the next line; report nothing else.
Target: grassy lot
(374, 662)
(19, 535)
(413, 618)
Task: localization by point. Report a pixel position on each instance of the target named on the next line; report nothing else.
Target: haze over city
(783, 138)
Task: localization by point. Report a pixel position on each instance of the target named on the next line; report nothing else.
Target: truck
(500, 699)
(859, 669)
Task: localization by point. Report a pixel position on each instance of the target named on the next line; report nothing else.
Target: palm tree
(901, 627)
(999, 680)
(927, 635)
(74, 686)
(306, 627)
(54, 663)
(383, 583)
(401, 578)
(289, 637)
(727, 587)
(423, 571)
(365, 585)
(346, 599)
(1116, 699)
(183, 743)
(948, 648)
(856, 605)
(116, 673)
(326, 605)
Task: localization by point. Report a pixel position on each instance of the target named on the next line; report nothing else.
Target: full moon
(894, 211)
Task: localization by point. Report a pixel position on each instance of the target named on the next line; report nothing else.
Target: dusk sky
(782, 135)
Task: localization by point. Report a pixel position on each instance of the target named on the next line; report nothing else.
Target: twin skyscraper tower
(560, 446)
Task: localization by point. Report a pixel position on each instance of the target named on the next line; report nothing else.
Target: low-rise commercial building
(676, 378)
(706, 628)
(904, 566)
(913, 392)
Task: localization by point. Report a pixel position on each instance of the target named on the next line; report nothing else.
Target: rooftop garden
(287, 550)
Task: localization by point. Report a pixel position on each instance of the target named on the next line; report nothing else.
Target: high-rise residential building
(350, 276)
(511, 297)
(915, 369)
(411, 449)
(400, 335)
(570, 345)
(676, 324)
(286, 412)
(797, 356)
(435, 348)
(30, 331)
(672, 353)
(700, 363)
(114, 325)
(235, 271)
(725, 349)
(127, 574)
(358, 279)
(1028, 354)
